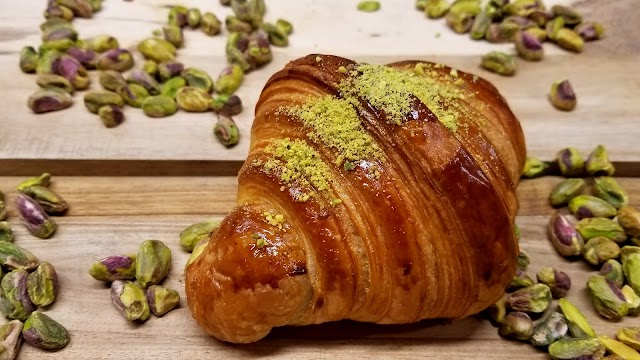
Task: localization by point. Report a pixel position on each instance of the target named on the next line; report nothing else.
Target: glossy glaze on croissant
(381, 194)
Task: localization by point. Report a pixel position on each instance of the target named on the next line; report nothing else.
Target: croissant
(376, 193)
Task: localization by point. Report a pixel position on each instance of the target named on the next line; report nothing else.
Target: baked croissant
(382, 194)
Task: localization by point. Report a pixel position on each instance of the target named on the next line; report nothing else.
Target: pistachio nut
(173, 34)
(495, 9)
(570, 162)
(46, 62)
(193, 234)
(587, 206)
(193, 99)
(43, 332)
(14, 296)
(480, 26)
(568, 348)
(553, 26)
(532, 299)
(528, 46)
(111, 80)
(210, 24)
(538, 33)
(520, 280)
(80, 8)
(158, 50)
(170, 69)
(34, 217)
(598, 163)
(87, 57)
(607, 298)
(96, 5)
(43, 180)
(170, 87)
(521, 22)
(51, 202)
(28, 59)
(436, 9)
(523, 260)
(459, 22)
(277, 37)
(629, 220)
(563, 235)
(549, 330)
(501, 32)
(595, 227)
(10, 339)
(368, 6)
(95, 99)
(499, 63)
(233, 24)
(632, 299)
(498, 311)
(159, 106)
(569, 40)
(162, 300)
(193, 18)
(237, 43)
(6, 234)
(226, 131)
(631, 269)
(111, 115)
(252, 10)
(516, 325)
(178, 16)
(618, 348)
(62, 45)
(258, 52)
(198, 78)
(101, 43)
(198, 249)
(130, 300)
(566, 190)
(629, 336)
(133, 94)
(578, 325)
(152, 263)
(570, 16)
(115, 59)
(227, 105)
(54, 22)
(70, 68)
(534, 167)
(145, 80)
(54, 11)
(47, 100)
(59, 32)
(150, 67)
(589, 31)
(608, 189)
(612, 270)
(229, 80)
(285, 26)
(42, 285)
(522, 7)
(540, 17)
(558, 281)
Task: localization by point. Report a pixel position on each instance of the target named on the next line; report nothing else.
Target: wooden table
(150, 178)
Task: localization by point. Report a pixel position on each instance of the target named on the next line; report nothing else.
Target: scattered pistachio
(193, 99)
(632, 299)
(194, 16)
(28, 59)
(71, 69)
(258, 52)
(537, 33)
(150, 67)
(549, 330)
(10, 339)
(34, 218)
(568, 348)
(178, 16)
(435, 9)
(563, 235)
(578, 325)
(170, 87)
(43, 332)
(598, 163)
(87, 57)
(162, 300)
(226, 131)
(618, 348)
(145, 80)
(569, 15)
(528, 46)
(501, 32)
(14, 296)
(558, 281)
(173, 34)
(197, 251)
(47, 100)
(227, 105)
(235, 47)
(54, 10)
(195, 233)
(612, 270)
(535, 299)
(158, 50)
(43, 180)
(53, 22)
(459, 22)
(169, 69)
(51, 202)
(14, 257)
(498, 311)
(115, 59)
(520, 280)
(233, 24)
(480, 26)
(285, 26)
(152, 263)
(42, 285)
(102, 43)
(629, 220)
(499, 63)
(111, 80)
(589, 31)
(6, 234)
(133, 94)
(80, 8)
(210, 24)
(95, 99)
(198, 78)
(625, 251)
(534, 167)
(517, 325)
(111, 115)
(229, 80)
(130, 300)
(59, 32)
(566, 190)
(608, 189)
(570, 162)
(629, 336)
(47, 62)
(159, 106)
(523, 260)
(587, 206)
(631, 269)
(368, 6)
(569, 40)
(607, 298)
(595, 227)
(277, 37)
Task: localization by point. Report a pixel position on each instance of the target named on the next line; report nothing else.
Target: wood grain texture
(104, 220)
(601, 76)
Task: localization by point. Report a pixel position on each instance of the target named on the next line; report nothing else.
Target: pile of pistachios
(526, 23)
(195, 238)
(135, 281)
(611, 230)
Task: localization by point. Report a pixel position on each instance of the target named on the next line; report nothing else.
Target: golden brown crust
(429, 236)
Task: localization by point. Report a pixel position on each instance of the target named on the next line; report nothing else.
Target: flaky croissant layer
(377, 193)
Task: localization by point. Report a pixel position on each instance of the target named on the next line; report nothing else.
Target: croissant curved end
(376, 193)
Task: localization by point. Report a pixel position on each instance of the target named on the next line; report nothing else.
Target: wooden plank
(606, 88)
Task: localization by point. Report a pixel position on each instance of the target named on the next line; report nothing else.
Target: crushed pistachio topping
(260, 240)
(391, 90)
(335, 123)
(273, 219)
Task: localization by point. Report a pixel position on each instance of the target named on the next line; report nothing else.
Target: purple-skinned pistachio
(133, 94)
(226, 131)
(70, 68)
(87, 57)
(47, 100)
(258, 51)
(169, 69)
(607, 298)
(14, 257)
(63, 31)
(227, 105)
(42, 285)
(590, 31)
(115, 59)
(54, 11)
(111, 115)
(43, 332)
(14, 295)
(51, 202)
(564, 236)
(178, 16)
(10, 339)
(587, 206)
(80, 8)
(145, 80)
(34, 217)
(528, 46)
(569, 160)
(558, 281)
(115, 267)
(162, 300)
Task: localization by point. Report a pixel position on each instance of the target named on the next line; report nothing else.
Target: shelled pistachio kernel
(580, 348)
(595, 227)
(566, 190)
(564, 237)
(629, 220)
(630, 336)
(558, 281)
(534, 167)
(43, 332)
(499, 63)
(111, 115)
(618, 348)
(517, 325)
(570, 162)
(608, 189)
(612, 270)
(549, 330)
(368, 6)
(193, 99)
(607, 298)
(528, 46)
(562, 96)
(587, 206)
(535, 299)
(579, 327)
(598, 163)
(159, 106)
